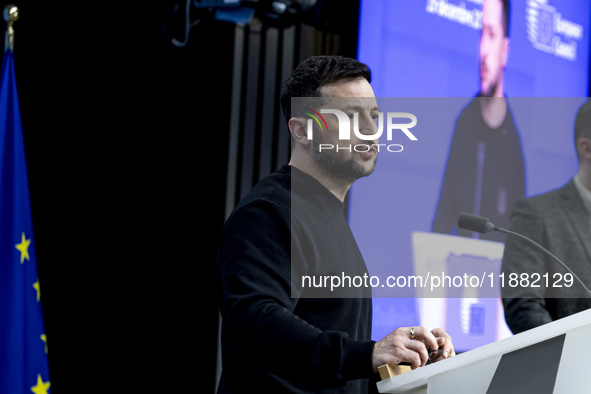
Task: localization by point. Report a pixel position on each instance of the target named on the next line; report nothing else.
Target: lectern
(553, 358)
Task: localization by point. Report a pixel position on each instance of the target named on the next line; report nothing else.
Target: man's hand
(444, 342)
(411, 345)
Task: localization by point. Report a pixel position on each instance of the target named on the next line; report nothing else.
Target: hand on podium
(412, 345)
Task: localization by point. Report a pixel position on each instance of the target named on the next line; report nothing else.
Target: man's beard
(492, 88)
(331, 163)
(490, 91)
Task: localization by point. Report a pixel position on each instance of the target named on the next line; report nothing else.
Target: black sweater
(279, 335)
(485, 165)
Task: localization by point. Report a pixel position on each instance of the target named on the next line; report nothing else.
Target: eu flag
(23, 351)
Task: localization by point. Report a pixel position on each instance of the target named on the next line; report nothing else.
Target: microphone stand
(547, 252)
(482, 225)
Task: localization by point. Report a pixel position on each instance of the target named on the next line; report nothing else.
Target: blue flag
(23, 352)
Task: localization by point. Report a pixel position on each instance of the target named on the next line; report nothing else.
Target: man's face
(347, 164)
(494, 47)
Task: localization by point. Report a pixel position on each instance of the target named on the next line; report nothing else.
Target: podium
(552, 358)
(472, 316)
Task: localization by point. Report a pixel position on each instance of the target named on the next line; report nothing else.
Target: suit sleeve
(525, 305)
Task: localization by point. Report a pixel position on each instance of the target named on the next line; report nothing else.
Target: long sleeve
(525, 307)
(260, 316)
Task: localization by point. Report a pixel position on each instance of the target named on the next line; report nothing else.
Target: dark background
(126, 190)
(126, 138)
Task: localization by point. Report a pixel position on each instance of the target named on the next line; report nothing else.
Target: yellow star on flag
(38, 289)
(44, 339)
(23, 247)
(41, 386)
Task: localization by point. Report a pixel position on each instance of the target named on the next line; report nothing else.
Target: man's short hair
(506, 17)
(583, 122)
(315, 72)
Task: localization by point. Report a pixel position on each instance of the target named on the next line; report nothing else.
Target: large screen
(431, 55)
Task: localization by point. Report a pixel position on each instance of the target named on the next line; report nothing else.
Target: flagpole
(10, 14)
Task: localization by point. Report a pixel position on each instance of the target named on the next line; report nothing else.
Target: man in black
(281, 331)
(485, 173)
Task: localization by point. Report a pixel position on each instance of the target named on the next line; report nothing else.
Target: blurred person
(485, 172)
(559, 221)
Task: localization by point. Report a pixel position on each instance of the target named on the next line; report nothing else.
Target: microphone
(475, 223)
(482, 225)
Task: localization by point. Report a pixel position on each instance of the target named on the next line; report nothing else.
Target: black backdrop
(125, 137)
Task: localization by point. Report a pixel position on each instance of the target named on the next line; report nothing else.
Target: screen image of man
(559, 221)
(278, 334)
(485, 172)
